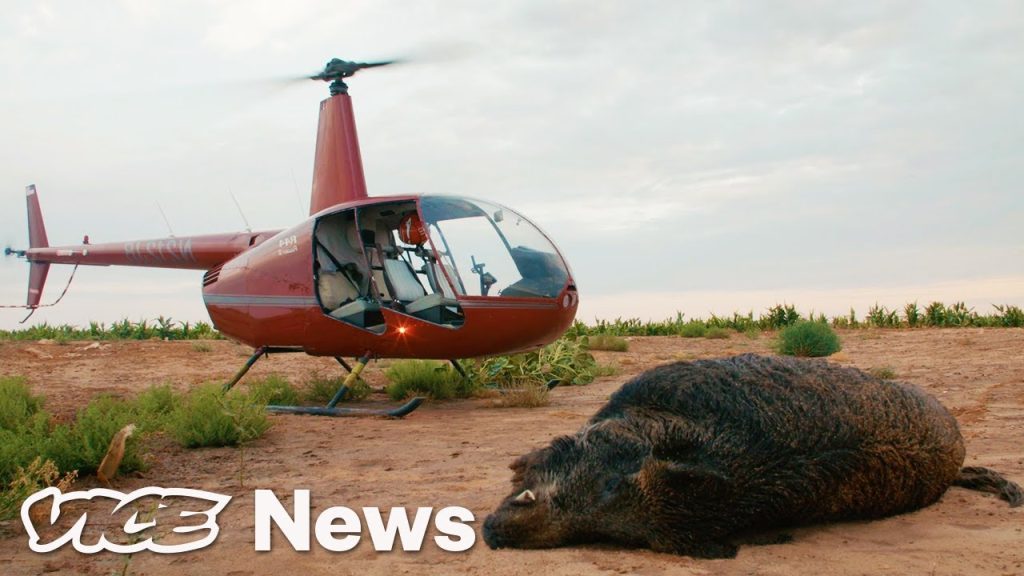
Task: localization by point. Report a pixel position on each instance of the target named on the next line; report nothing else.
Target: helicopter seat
(435, 308)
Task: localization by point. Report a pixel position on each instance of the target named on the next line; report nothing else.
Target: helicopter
(410, 276)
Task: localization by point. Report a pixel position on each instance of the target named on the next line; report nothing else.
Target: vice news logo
(175, 520)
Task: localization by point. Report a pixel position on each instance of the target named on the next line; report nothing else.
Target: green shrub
(320, 389)
(201, 346)
(716, 334)
(607, 342)
(82, 444)
(17, 403)
(808, 339)
(154, 406)
(429, 377)
(23, 444)
(273, 389)
(207, 416)
(693, 330)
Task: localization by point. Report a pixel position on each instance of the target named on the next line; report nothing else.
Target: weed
(523, 394)
(717, 334)
(82, 444)
(435, 379)
(154, 406)
(693, 330)
(200, 346)
(207, 416)
(320, 389)
(607, 342)
(17, 404)
(883, 372)
(273, 389)
(27, 480)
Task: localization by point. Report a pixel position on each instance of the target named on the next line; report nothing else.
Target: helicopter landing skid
(331, 408)
(396, 412)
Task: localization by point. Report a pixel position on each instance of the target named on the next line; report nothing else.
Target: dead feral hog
(692, 457)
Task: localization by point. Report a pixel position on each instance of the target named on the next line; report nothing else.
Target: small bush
(273, 389)
(17, 403)
(437, 380)
(693, 330)
(525, 394)
(607, 342)
(200, 346)
(716, 334)
(808, 339)
(154, 406)
(206, 416)
(82, 444)
(20, 446)
(883, 372)
(320, 389)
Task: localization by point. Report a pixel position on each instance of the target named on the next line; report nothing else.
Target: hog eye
(610, 487)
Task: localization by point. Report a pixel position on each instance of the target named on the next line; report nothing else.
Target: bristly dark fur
(689, 457)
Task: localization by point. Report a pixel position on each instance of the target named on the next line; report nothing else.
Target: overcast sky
(701, 157)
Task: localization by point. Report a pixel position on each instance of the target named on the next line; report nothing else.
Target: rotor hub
(337, 70)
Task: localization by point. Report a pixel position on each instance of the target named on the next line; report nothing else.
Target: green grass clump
(154, 406)
(716, 334)
(693, 330)
(274, 389)
(434, 379)
(17, 404)
(567, 360)
(201, 346)
(883, 372)
(320, 389)
(207, 416)
(607, 342)
(808, 339)
(81, 445)
(527, 394)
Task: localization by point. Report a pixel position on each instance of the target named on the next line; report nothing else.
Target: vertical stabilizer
(338, 168)
(36, 230)
(36, 239)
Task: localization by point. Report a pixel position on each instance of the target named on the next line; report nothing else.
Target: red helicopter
(416, 276)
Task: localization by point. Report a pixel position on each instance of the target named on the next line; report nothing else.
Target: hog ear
(522, 464)
(527, 461)
(658, 475)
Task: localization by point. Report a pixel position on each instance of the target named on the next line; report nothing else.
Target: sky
(702, 157)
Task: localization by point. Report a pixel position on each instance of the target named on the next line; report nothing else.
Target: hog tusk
(526, 496)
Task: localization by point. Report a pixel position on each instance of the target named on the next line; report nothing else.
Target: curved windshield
(489, 250)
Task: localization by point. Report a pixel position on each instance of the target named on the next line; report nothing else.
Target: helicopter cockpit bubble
(491, 250)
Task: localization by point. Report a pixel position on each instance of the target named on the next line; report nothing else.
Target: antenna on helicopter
(336, 70)
(248, 228)
(166, 221)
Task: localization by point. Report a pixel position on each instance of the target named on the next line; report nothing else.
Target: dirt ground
(456, 453)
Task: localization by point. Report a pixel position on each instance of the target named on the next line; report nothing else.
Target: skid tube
(331, 409)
